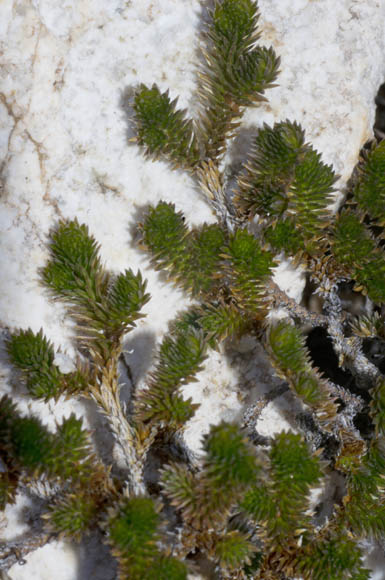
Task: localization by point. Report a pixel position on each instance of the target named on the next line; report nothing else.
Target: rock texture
(64, 128)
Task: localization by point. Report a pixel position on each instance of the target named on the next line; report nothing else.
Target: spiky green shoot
(133, 535)
(180, 357)
(288, 186)
(162, 129)
(192, 257)
(34, 355)
(248, 269)
(237, 72)
(103, 305)
(73, 515)
(281, 501)
(369, 192)
(291, 360)
(354, 247)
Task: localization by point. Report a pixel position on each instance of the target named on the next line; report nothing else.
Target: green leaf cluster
(105, 306)
(133, 529)
(205, 499)
(364, 503)
(192, 257)
(230, 465)
(33, 354)
(236, 74)
(291, 360)
(180, 358)
(28, 446)
(288, 186)
(162, 129)
(73, 514)
(356, 249)
(280, 502)
(248, 270)
(201, 259)
(369, 191)
(338, 557)
(356, 236)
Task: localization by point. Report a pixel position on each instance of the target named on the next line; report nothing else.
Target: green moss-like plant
(245, 507)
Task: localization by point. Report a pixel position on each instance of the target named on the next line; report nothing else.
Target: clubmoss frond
(126, 297)
(288, 186)
(180, 357)
(192, 257)
(364, 504)
(30, 447)
(164, 235)
(133, 535)
(72, 515)
(28, 444)
(72, 455)
(339, 557)
(34, 355)
(294, 470)
(203, 261)
(74, 271)
(162, 129)
(377, 407)
(237, 72)
(230, 466)
(280, 503)
(355, 249)
(179, 485)
(369, 192)
(248, 270)
(230, 460)
(233, 551)
(291, 360)
(221, 320)
(103, 306)
(235, 22)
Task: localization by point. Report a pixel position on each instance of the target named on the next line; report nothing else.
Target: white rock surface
(65, 65)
